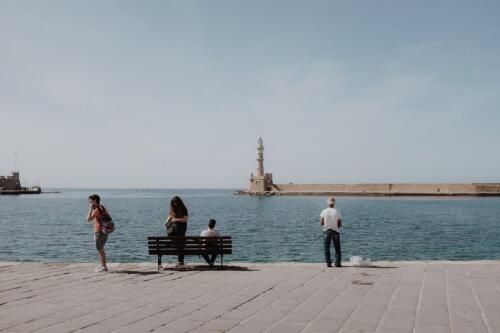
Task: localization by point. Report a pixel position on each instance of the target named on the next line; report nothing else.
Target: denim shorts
(100, 239)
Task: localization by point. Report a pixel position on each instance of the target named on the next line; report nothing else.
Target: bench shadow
(201, 268)
(135, 272)
(374, 266)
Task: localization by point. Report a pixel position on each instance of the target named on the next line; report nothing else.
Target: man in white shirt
(210, 232)
(331, 221)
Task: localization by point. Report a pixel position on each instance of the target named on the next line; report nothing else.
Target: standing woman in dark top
(177, 221)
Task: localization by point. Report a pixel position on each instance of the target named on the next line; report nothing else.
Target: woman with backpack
(177, 222)
(103, 225)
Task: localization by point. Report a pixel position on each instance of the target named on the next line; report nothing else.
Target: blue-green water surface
(52, 227)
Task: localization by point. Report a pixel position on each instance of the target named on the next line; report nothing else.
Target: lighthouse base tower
(260, 184)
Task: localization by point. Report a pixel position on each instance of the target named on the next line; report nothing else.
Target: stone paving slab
(420, 296)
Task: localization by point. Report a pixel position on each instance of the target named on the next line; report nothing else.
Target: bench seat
(189, 245)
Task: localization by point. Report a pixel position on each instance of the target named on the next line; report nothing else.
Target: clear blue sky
(176, 93)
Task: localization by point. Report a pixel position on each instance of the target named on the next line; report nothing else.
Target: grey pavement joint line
(342, 293)
(497, 286)
(130, 323)
(311, 296)
(485, 322)
(447, 296)
(419, 300)
(184, 276)
(262, 293)
(390, 301)
(254, 297)
(162, 275)
(358, 305)
(241, 304)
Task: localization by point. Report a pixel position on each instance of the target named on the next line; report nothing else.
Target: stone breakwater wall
(431, 189)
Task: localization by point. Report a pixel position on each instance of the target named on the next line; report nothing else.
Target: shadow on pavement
(198, 268)
(187, 268)
(135, 272)
(373, 266)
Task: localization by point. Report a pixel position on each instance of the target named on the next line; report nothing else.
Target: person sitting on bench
(210, 232)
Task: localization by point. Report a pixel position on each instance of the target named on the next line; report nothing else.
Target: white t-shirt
(209, 233)
(331, 217)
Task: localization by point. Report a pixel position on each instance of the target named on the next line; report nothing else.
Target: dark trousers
(211, 259)
(180, 230)
(329, 236)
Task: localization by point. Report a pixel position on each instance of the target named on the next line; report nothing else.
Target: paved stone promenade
(393, 297)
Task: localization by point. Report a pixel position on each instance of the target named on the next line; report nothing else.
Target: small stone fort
(12, 185)
(11, 182)
(262, 183)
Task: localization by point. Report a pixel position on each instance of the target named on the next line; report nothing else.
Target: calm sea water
(52, 227)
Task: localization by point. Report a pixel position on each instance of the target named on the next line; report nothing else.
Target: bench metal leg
(221, 260)
(159, 262)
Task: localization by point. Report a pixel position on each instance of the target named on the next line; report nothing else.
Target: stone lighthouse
(261, 182)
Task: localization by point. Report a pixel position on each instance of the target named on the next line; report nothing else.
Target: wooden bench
(189, 245)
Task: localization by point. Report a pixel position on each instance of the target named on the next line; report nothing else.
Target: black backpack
(107, 224)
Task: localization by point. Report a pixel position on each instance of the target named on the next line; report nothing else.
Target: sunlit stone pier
(387, 297)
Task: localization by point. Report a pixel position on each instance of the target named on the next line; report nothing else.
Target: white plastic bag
(360, 261)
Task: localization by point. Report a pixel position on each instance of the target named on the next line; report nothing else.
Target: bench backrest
(189, 245)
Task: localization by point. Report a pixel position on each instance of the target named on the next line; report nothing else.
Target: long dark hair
(96, 198)
(177, 207)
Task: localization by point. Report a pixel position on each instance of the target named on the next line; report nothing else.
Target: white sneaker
(100, 269)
